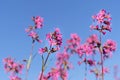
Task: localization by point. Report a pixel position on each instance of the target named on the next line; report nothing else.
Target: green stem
(101, 52)
(29, 61)
(44, 63)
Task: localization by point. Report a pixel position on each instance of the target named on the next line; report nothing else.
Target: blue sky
(71, 16)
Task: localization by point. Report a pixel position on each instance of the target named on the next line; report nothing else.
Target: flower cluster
(63, 60)
(74, 41)
(42, 50)
(55, 38)
(87, 51)
(103, 19)
(38, 21)
(13, 67)
(31, 30)
(93, 40)
(109, 47)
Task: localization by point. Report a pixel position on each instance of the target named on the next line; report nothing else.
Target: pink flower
(62, 58)
(38, 21)
(11, 66)
(33, 35)
(15, 78)
(64, 74)
(55, 38)
(29, 29)
(54, 73)
(93, 39)
(103, 22)
(42, 50)
(90, 62)
(94, 27)
(105, 70)
(84, 49)
(109, 47)
(107, 27)
(74, 41)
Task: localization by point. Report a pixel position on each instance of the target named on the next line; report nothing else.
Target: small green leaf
(29, 62)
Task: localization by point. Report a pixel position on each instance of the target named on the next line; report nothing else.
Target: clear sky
(71, 16)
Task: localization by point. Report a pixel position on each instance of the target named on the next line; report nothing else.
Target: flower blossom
(103, 20)
(11, 66)
(63, 59)
(32, 30)
(73, 42)
(38, 21)
(42, 50)
(102, 16)
(34, 36)
(55, 38)
(109, 47)
(93, 39)
(84, 49)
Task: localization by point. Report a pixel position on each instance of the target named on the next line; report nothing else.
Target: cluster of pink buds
(55, 41)
(13, 67)
(38, 21)
(109, 47)
(93, 40)
(74, 41)
(103, 21)
(31, 30)
(55, 38)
